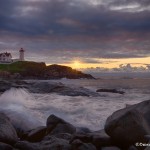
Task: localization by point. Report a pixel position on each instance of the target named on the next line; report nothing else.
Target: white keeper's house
(7, 57)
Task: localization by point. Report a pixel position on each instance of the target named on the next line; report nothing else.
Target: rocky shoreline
(123, 130)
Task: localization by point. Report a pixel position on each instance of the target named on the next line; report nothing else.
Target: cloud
(76, 28)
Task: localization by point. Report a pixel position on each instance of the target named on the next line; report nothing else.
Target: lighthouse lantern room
(21, 54)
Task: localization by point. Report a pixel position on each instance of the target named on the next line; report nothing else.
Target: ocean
(91, 112)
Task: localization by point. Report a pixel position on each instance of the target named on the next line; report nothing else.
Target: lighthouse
(21, 54)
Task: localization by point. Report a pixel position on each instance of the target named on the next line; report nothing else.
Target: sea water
(91, 112)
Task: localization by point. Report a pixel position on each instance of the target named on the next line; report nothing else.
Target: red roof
(6, 54)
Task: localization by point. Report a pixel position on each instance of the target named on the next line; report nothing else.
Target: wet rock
(98, 139)
(110, 91)
(101, 139)
(63, 128)
(57, 125)
(7, 132)
(142, 107)
(120, 124)
(37, 134)
(4, 146)
(53, 120)
(53, 143)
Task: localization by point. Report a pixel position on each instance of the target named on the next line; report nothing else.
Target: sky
(77, 33)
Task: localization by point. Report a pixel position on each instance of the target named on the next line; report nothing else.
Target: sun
(76, 64)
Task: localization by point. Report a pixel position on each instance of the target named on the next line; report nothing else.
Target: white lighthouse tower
(21, 54)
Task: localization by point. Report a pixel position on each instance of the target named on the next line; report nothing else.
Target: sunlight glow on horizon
(110, 63)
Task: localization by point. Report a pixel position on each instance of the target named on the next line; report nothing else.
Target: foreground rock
(101, 139)
(47, 87)
(123, 129)
(57, 125)
(52, 143)
(7, 131)
(59, 88)
(35, 135)
(129, 125)
(4, 146)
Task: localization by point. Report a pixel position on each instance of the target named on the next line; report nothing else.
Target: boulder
(7, 132)
(53, 143)
(98, 138)
(4, 146)
(127, 127)
(36, 135)
(101, 139)
(142, 107)
(57, 125)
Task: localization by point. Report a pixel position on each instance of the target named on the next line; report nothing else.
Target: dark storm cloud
(76, 28)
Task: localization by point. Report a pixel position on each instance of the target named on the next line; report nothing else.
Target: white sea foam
(89, 112)
(16, 104)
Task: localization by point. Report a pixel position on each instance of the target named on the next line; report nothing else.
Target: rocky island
(36, 70)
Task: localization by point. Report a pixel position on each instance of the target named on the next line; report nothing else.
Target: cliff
(36, 70)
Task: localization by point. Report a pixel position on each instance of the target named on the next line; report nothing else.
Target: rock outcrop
(36, 70)
(7, 132)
